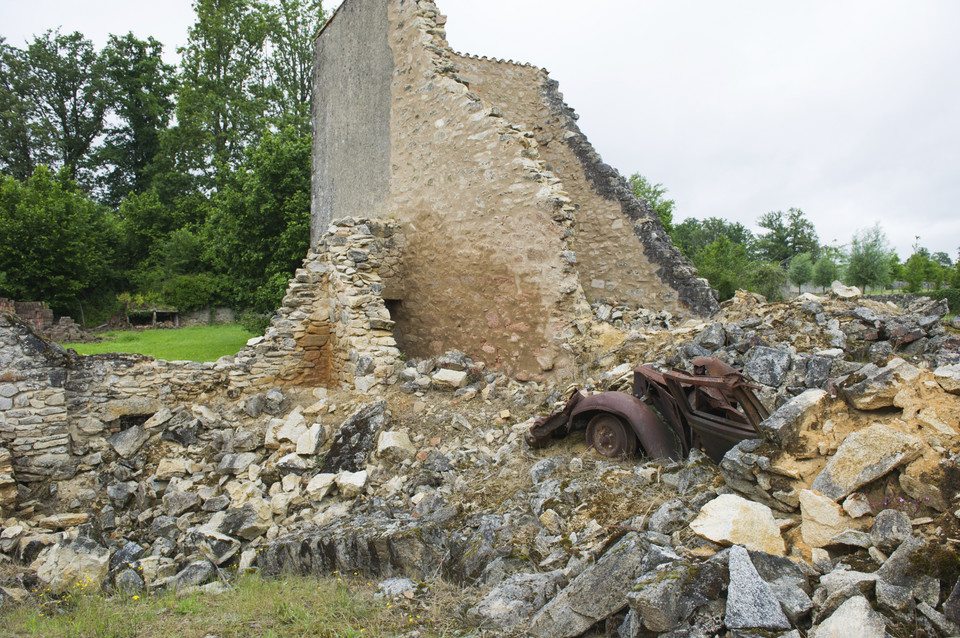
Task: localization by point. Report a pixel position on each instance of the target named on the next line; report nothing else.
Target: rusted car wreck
(669, 413)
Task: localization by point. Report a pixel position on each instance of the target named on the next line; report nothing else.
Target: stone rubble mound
(841, 516)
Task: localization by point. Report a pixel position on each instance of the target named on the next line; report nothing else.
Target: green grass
(323, 607)
(196, 343)
(293, 606)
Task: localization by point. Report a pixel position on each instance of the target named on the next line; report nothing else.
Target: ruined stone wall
(622, 251)
(36, 313)
(487, 267)
(57, 408)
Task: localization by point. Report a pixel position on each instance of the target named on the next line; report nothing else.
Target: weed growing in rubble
(892, 497)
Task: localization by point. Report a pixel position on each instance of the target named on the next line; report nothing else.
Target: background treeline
(122, 176)
(788, 249)
(128, 180)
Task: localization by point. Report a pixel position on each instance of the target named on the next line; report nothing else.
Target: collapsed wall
(512, 221)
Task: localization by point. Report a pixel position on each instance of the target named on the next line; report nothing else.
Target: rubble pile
(839, 517)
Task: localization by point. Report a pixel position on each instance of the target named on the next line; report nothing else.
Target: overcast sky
(848, 109)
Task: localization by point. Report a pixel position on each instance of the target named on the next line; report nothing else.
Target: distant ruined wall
(511, 223)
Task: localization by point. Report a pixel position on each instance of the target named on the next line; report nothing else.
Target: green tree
(692, 235)
(654, 195)
(258, 230)
(221, 96)
(18, 133)
(787, 236)
(916, 270)
(141, 93)
(64, 81)
(869, 262)
(293, 25)
(56, 244)
(825, 272)
(800, 270)
(723, 263)
(767, 278)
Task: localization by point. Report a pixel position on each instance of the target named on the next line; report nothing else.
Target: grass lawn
(196, 343)
(292, 606)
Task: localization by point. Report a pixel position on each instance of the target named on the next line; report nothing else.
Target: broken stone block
(196, 573)
(768, 366)
(948, 377)
(666, 597)
(351, 484)
(838, 289)
(72, 563)
(169, 468)
(64, 521)
(212, 545)
(176, 503)
(247, 522)
(395, 445)
(310, 441)
(446, 379)
(782, 426)
(293, 427)
(510, 603)
(864, 456)
(890, 528)
(855, 617)
(128, 582)
(751, 603)
(597, 593)
(872, 387)
(129, 442)
(134, 406)
(320, 485)
(733, 520)
(356, 438)
(901, 570)
(236, 463)
(823, 519)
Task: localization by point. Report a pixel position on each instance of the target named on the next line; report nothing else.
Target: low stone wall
(333, 330)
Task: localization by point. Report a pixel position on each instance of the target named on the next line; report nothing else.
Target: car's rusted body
(712, 408)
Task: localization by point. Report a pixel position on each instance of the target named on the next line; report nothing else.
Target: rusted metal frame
(697, 418)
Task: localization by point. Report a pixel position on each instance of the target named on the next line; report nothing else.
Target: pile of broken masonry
(840, 518)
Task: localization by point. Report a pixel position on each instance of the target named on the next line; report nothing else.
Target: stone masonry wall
(623, 253)
(487, 267)
(57, 408)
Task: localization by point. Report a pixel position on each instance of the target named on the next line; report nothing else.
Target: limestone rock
(948, 377)
(446, 379)
(890, 528)
(751, 603)
(293, 427)
(196, 573)
(513, 601)
(176, 502)
(73, 563)
(251, 520)
(782, 426)
(872, 387)
(864, 456)
(395, 445)
(768, 366)
(212, 545)
(733, 520)
(168, 468)
(128, 442)
(853, 618)
(351, 484)
(597, 593)
(310, 441)
(667, 596)
(901, 570)
(320, 485)
(823, 519)
(8, 485)
(838, 289)
(356, 438)
(236, 463)
(64, 521)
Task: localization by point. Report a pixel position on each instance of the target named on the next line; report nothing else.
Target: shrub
(191, 292)
(952, 295)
